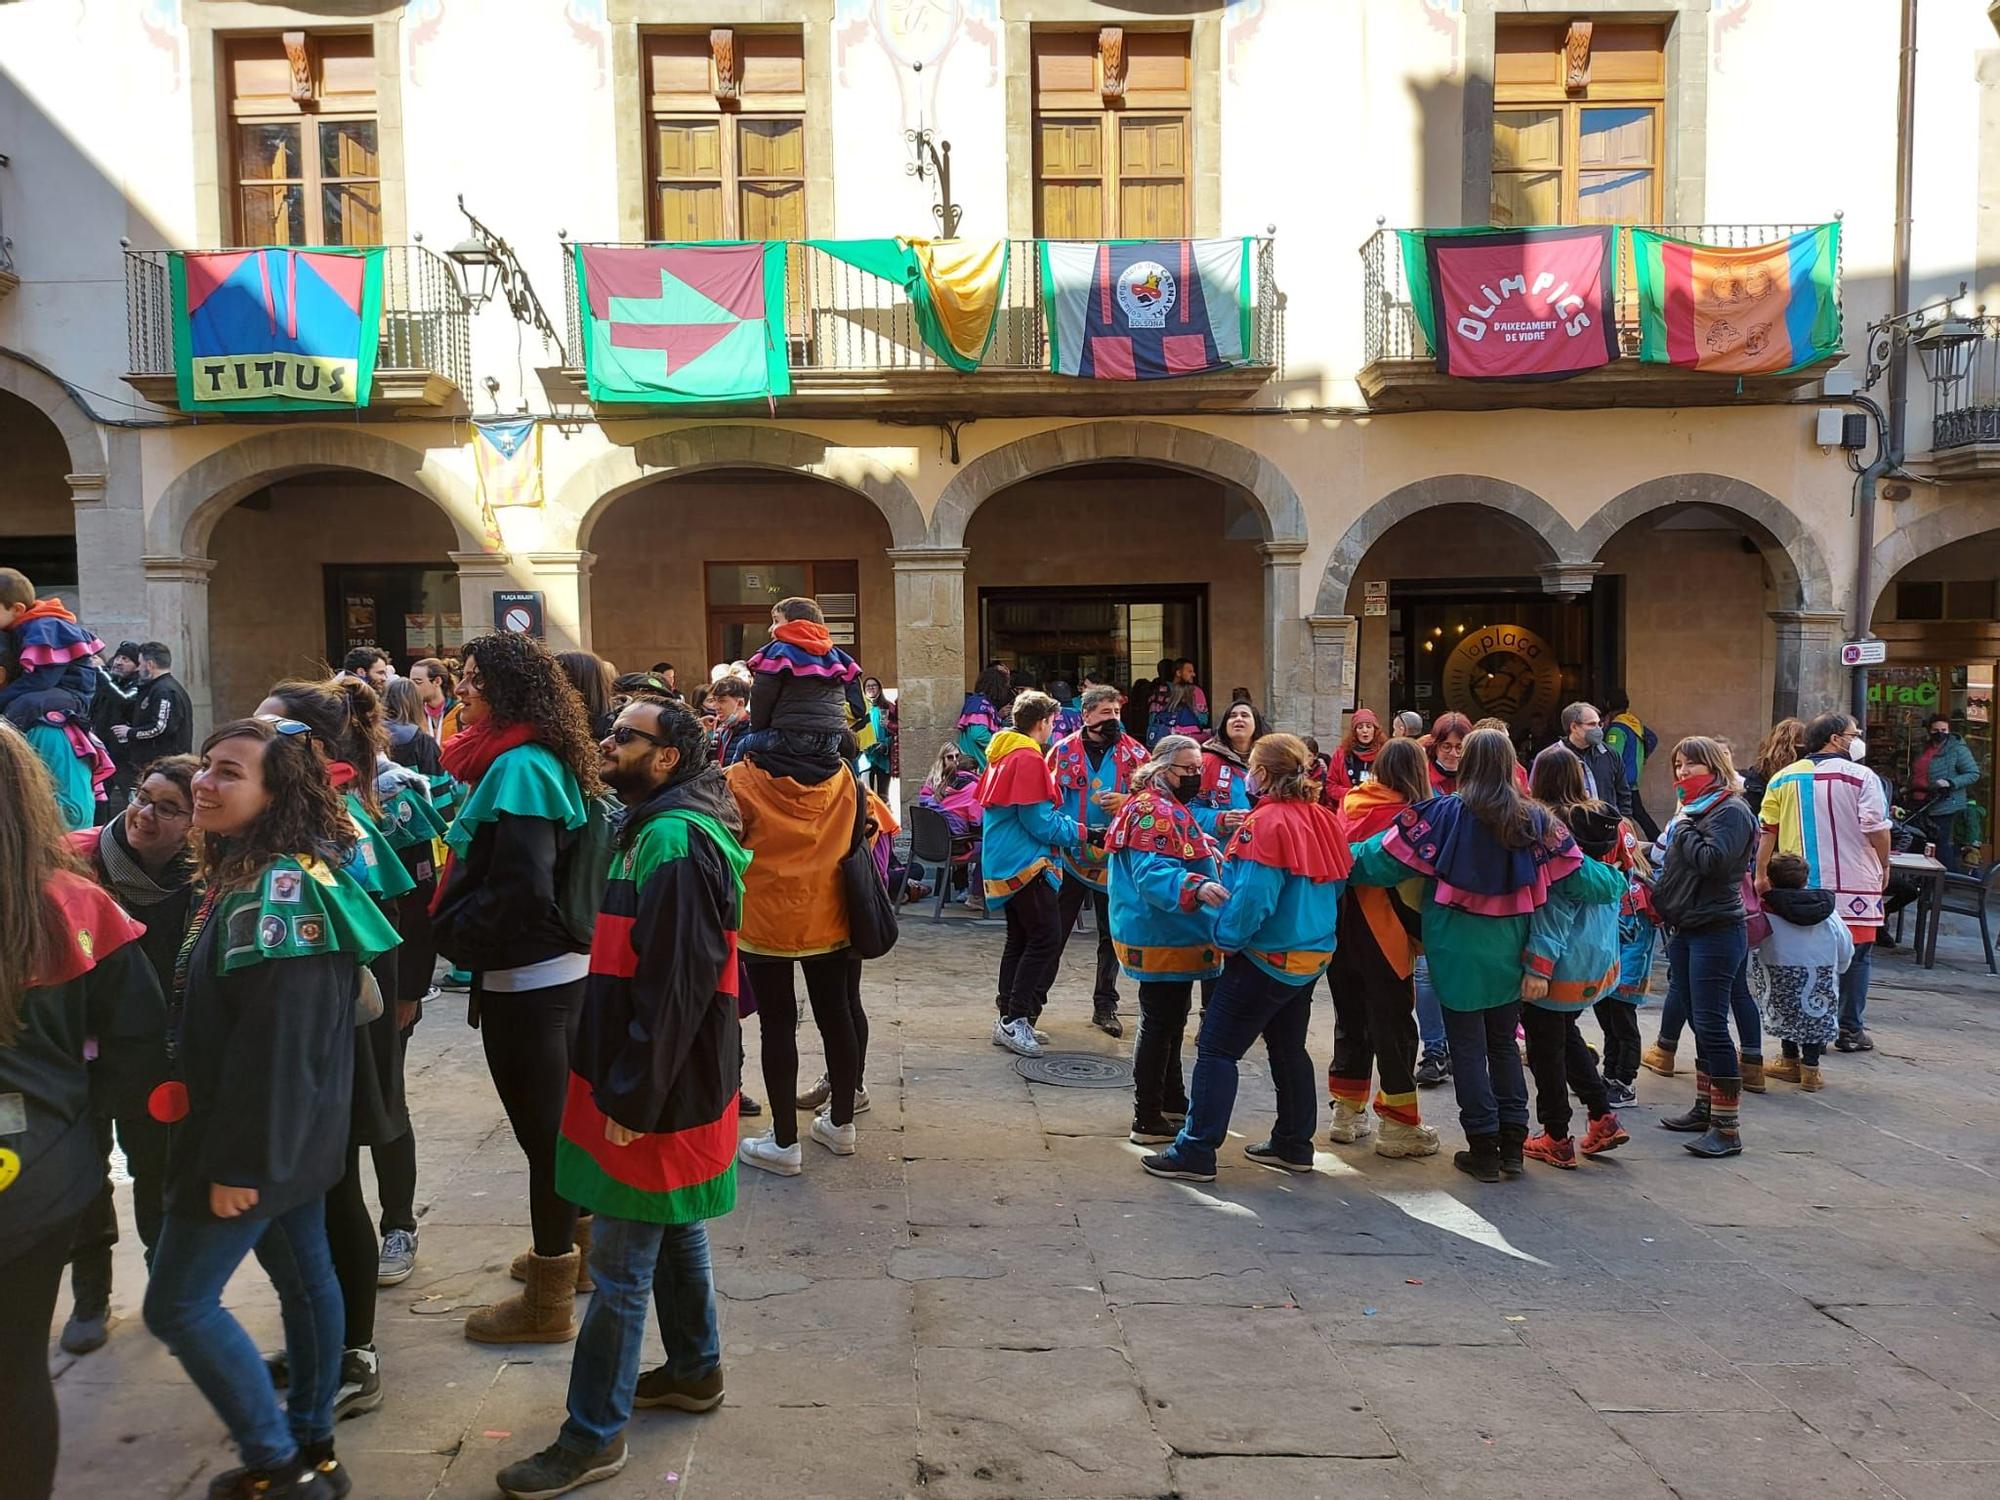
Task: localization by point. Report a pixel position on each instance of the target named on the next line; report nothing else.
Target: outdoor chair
(933, 844)
(1974, 896)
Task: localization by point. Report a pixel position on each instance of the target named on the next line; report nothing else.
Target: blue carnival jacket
(1573, 938)
(1022, 830)
(1285, 867)
(1225, 787)
(1078, 782)
(1159, 859)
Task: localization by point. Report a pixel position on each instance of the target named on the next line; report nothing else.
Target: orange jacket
(797, 836)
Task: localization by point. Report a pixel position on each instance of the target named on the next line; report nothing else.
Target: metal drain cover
(1076, 1070)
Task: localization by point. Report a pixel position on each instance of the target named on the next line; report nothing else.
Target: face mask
(1694, 784)
(1857, 748)
(1106, 731)
(1939, 736)
(1187, 787)
(1593, 736)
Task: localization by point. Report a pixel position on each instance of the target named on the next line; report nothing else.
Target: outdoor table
(1930, 905)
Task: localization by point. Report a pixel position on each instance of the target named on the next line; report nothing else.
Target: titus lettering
(242, 377)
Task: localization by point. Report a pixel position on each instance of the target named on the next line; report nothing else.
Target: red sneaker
(1605, 1134)
(1556, 1153)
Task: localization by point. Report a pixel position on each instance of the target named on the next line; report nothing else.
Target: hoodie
(1801, 962)
(1023, 830)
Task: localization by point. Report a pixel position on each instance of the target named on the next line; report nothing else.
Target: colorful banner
(671, 323)
(275, 329)
(1146, 309)
(1514, 304)
(1763, 310)
(954, 286)
(507, 452)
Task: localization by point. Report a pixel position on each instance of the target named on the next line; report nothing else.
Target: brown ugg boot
(1750, 1065)
(1658, 1059)
(1809, 1079)
(1784, 1070)
(519, 1269)
(543, 1313)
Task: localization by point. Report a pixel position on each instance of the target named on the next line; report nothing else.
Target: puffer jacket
(1714, 848)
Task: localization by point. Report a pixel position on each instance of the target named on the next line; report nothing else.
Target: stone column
(1287, 656)
(479, 575)
(1335, 640)
(564, 579)
(177, 617)
(1569, 577)
(1809, 679)
(109, 541)
(930, 652)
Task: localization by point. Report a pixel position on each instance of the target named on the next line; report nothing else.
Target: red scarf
(470, 753)
(807, 635)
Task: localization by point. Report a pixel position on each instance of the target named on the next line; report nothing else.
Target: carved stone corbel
(1576, 57)
(302, 56)
(722, 50)
(1111, 56)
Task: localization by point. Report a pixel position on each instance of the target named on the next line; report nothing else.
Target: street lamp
(1945, 348)
(478, 270)
(487, 267)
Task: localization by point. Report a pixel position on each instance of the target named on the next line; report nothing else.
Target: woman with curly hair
(527, 760)
(265, 996)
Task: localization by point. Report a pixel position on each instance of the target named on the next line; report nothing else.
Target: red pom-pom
(168, 1103)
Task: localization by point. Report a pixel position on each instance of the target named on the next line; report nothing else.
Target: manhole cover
(1076, 1070)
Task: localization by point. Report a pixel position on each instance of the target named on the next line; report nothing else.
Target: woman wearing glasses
(145, 858)
(265, 993)
(527, 761)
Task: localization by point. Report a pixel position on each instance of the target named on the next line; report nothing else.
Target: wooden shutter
(1111, 155)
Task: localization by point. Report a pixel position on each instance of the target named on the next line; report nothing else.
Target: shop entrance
(1046, 635)
(740, 596)
(410, 610)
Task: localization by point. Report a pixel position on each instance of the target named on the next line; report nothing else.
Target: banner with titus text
(1514, 304)
(275, 329)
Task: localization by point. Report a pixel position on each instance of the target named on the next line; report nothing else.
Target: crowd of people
(215, 958)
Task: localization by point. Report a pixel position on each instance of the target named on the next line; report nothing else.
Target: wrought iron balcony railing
(842, 320)
(1389, 326)
(1965, 395)
(424, 344)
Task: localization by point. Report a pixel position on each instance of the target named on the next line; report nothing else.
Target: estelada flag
(1146, 309)
(275, 329)
(1513, 304)
(1761, 310)
(688, 322)
(507, 451)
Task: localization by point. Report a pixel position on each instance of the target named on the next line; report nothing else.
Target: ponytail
(1284, 769)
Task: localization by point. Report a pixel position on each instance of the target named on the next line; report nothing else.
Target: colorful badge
(271, 931)
(285, 886)
(10, 1168)
(309, 932)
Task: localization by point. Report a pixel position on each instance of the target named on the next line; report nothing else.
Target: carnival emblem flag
(1514, 304)
(1146, 309)
(666, 323)
(1761, 310)
(275, 329)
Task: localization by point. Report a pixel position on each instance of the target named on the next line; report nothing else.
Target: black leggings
(834, 995)
(528, 1037)
(1034, 949)
(350, 1236)
(32, 1275)
(860, 1018)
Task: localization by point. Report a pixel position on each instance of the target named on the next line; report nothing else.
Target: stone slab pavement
(992, 1300)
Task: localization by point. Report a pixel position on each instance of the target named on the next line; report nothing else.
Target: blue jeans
(1742, 1006)
(1430, 1014)
(634, 1263)
(1248, 1003)
(194, 1260)
(1486, 1068)
(1711, 966)
(1854, 987)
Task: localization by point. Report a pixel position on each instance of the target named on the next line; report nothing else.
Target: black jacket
(1706, 861)
(814, 705)
(162, 722)
(267, 1054)
(61, 1165)
(1606, 773)
(498, 906)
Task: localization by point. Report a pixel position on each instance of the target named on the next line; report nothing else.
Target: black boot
(1482, 1160)
(90, 1285)
(332, 1475)
(1511, 1139)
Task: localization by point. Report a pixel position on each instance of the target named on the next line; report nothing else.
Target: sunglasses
(624, 734)
(285, 726)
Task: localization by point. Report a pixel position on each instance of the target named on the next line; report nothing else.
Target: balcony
(854, 347)
(422, 360)
(1965, 406)
(1399, 369)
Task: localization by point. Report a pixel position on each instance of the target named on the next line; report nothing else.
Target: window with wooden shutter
(727, 134)
(1111, 129)
(1579, 117)
(303, 152)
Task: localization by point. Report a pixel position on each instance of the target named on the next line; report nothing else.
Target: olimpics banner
(1514, 304)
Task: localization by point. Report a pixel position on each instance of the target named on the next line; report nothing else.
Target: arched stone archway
(1799, 570)
(53, 399)
(1530, 509)
(187, 511)
(1163, 443)
(1954, 521)
(694, 450)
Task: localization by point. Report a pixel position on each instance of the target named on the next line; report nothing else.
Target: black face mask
(1187, 788)
(1104, 733)
(1939, 736)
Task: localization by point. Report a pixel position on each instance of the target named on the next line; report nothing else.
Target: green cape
(527, 781)
(300, 907)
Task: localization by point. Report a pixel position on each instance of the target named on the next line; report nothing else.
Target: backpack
(584, 869)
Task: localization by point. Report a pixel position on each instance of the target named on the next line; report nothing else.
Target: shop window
(1579, 120)
(303, 151)
(410, 610)
(726, 134)
(1112, 133)
(1046, 635)
(740, 596)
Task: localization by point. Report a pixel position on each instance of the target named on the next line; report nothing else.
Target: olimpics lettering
(1565, 308)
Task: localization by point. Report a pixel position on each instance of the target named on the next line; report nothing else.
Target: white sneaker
(1399, 1140)
(764, 1152)
(1000, 1034)
(1350, 1123)
(861, 1101)
(1018, 1036)
(839, 1139)
(817, 1095)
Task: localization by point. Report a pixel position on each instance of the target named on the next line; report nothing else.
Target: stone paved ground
(991, 1300)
